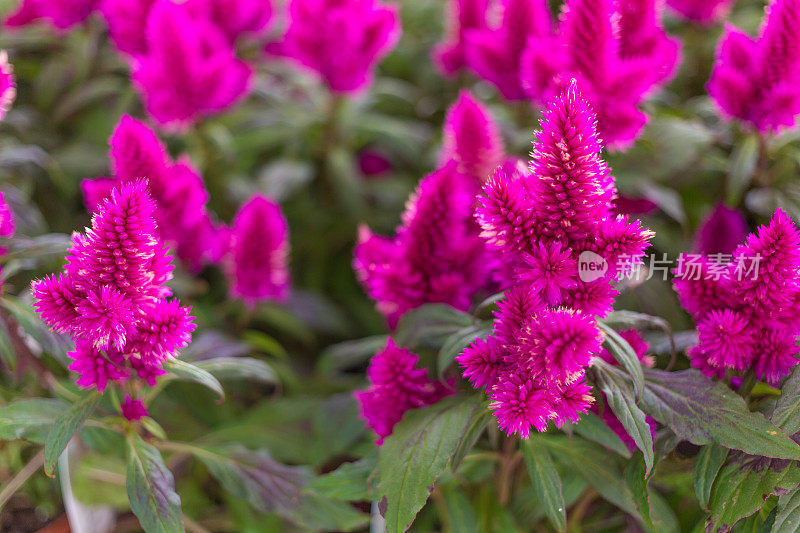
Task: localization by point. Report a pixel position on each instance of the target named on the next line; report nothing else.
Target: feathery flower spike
(461, 17)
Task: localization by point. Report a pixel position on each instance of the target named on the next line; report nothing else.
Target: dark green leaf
(475, 429)
(151, 489)
(460, 513)
(239, 368)
(787, 409)
(636, 477)
(189, 372)
(742, 164)
(429, 326)
(626, 356)
(620, 399)
(30, 419)
(64, 427)
(349, 354)
(706, 466)
(787, 518)
(704, 412)
(591, 427)
(456, 343)
(545, 481)
(416, 453)
(349, 482)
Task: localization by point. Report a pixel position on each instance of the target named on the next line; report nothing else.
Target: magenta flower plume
(236, 17)
(8, 87)
(495, 53)
(755, 80)
(746, 309)
(126, 21)
(395, 386)
(436, 256)
(539, 223)
(190, 69)
(340, 41)
(61, 14)
(183, 219)
(642, 39)
(721, 231)
(259, 248)
(7, 223)
(133, 409)
(110, 297)
(471, 138)
(702, 11)
(462, 16)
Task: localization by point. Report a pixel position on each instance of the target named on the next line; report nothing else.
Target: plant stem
(22, 476)
(507, 463)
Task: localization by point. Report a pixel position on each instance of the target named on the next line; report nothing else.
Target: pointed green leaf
(30, 419)
(545, 481)
(64, 427)
(626, 356)
(591, 427)
(189, 372)
(636, 477)
(706, 466)
(151, 489)
(239, 368)
(456, 343)
(787, 518)
(787, 409)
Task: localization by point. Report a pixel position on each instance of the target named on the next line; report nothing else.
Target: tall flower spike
(259, 247)
(340, 41)
(461, 17)
(721, 231)
(756, 81)
(471, 138)
(494, 53)
(642, 38)
(190, 69)
(395, 386)
(704, 12)
(61, 14)
(8, 87)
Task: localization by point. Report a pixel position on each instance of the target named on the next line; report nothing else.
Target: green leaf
(545, 482)
(619, 396)
(151, 489)
(636, 477)
(788, 513)
(742, 164)
(459, 340)
(349, 482)
(416, 453)
(460, 514)
(475, 429)
(787, 409)
(187, 371)
(239, 368)
(272, 487)
(706, 466)
(30, 419)
(64, 427)
(429, 326)
(744, 484)
(349, 354)
(23, 312)
(705, 412)
(626, 356)
(591, 427)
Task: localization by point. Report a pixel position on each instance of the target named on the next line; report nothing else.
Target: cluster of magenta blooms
(482, 223)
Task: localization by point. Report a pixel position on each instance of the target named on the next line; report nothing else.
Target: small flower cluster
(437, 255)
(640, 347)
(395, 386)
(254, 250)
(339, 41)
(112, 298)
(618, 50)
(704, 12)
(756, 80)
(748, 323)
(8, 87)
(539, 221)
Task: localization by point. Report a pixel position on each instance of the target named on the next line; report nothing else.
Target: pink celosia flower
(462, 16)
(436, 257)
(340, 41)
(235, 17)
(755, 80)
(721, 231)
(8, 87)
(617, 50)
(494, 53)
(640, 347)
(259, 248)
(126, 21)
(471, 138)
(190, 69)
(183, 219)
(133, 409)
(110, 296)
(746, 309)
(373, 163)
(395, 386)
(545, 334)
(61, 14)
(627, 205)
(7, 224)
(702, 11)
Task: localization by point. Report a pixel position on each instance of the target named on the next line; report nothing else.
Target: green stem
(22, 476)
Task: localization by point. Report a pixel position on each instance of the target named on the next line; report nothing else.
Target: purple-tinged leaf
(151, 489)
